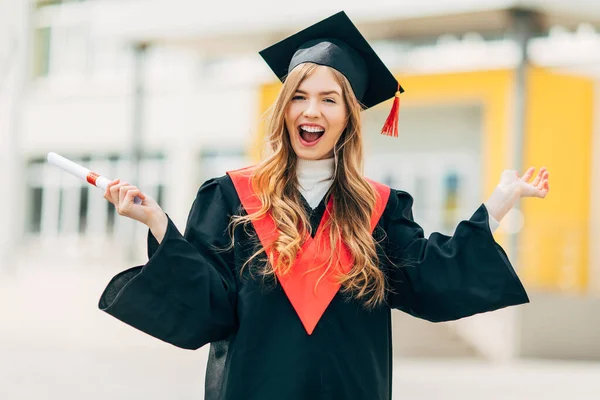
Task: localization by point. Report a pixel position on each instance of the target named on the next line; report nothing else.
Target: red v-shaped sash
(313, 258)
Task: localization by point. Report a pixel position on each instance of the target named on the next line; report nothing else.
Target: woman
(290, 269)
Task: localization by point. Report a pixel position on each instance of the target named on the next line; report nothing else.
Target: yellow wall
(267, 96)
(558, 135)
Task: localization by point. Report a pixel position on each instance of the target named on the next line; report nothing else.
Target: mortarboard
(337, 43)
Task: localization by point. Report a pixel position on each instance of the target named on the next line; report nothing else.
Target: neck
(314, 178)
(320, 168)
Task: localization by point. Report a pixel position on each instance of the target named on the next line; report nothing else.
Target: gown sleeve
(444, 278)
(185, 294)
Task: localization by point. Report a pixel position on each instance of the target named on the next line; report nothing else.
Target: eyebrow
(322, 93)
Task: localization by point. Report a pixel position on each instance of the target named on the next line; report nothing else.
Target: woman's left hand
(511, 182)
(512, 187)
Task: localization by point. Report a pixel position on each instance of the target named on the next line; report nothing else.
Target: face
(316, 115)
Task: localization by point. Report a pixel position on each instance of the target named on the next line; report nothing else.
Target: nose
(312, 109)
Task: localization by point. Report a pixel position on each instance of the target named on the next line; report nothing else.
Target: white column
(182, 168)
(98, 206)
(14, 70)
(70, 207)
(51, 185)
(594, 234)
(183, 164)
(124, 227)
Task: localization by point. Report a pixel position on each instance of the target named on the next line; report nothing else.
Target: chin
(309, 155)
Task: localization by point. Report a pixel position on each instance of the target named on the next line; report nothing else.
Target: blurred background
(168, 93)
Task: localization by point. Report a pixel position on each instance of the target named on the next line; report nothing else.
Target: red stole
(312, 259)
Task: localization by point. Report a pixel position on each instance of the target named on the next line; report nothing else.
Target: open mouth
(310, 135)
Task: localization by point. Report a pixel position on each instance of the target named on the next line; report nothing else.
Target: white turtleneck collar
(314, 178)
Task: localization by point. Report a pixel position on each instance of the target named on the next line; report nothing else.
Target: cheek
(290, 119)
(338, 123)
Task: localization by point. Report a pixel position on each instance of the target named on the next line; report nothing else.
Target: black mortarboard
(337, 43)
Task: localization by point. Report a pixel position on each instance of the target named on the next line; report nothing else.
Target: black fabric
(314, 215)
(336, 43)
(189, 294)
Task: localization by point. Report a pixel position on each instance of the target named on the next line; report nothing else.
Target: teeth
(312, 129)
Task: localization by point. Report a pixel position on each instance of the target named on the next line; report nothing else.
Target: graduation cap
(337, 43)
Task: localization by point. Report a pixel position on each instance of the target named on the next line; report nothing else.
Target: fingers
(114, 192)
(131, 194)
(538, 178)
(107, 193)
(544, 187)
(540, 185)
(128, 193)
(121, 195)
(539, 181)
(123, 192)
(543, 179)
(528, 174)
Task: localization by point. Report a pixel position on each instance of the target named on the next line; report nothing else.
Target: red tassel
(390, 128)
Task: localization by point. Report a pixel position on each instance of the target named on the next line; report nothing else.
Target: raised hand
(511, 182)
(512, 187)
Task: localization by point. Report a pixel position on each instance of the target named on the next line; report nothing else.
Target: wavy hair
(274, 180)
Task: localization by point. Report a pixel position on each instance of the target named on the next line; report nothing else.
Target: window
(61, 39)
(62, 205)
(35, 210)
(436, 158)
(46, 3)
(444, 185)
(214, 163)
(41, 52)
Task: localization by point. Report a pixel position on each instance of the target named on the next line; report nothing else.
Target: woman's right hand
(121, 194)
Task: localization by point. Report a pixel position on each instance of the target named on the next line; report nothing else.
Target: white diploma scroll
(82, 173)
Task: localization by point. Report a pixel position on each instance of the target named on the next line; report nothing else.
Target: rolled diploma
(82, 173)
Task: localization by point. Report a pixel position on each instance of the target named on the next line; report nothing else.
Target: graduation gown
(190, 294)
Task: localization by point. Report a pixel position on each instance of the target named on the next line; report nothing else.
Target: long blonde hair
(275, 183)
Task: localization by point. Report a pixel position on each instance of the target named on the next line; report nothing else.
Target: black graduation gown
(189, 294)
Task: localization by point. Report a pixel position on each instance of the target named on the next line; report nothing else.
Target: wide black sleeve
(443, 278)
(186, 292)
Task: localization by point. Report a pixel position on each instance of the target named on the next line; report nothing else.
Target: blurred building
(167, 94)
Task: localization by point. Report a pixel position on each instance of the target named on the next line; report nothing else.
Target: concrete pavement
(56, 344)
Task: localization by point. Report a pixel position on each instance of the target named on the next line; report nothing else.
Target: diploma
(82, 173)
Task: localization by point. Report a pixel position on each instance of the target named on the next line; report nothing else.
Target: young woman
(290, 269)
